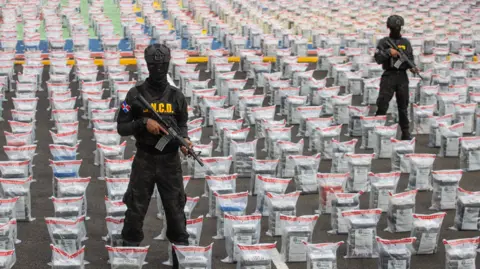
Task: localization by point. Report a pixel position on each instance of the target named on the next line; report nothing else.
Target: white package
(446, 101)
(339, 150)
(421, 118)
(445, 184)
(280, 204)
(230, 203)
(461, 253)
(383, 146)
(435, 138)
(67, 234)
(395, 252)
(381, 186)
(341, 106)
(69, 138)
(470, 153)
(305, 173)
(420, 171)
(465, 113)
(305, 113)
(426, 228)
(325, 99)
(354, 122)
(428, 95)
(312, 125)
(368, 125)
(67, 115)
(359, 165)
(467, 213)
(268, 184)
(64, 259)
(25, 104)
(243, 230)
(329, 184)
(401, 206)
(322, 255)
(258, 256)
(323, 139)
(342, 202)
(295, 231)
(19, 187)
(362, 232)
(121, 257)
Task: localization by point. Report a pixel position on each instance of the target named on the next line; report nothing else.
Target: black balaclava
(158, 58)
(395, 23)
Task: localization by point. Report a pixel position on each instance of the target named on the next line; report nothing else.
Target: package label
(470, 218)
(397, 264)
(364, 241)
(404, 219)
(428, 243)
(322, 265)
(297, 251)
(448, 197)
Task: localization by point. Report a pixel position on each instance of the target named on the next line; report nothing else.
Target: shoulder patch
(125, 107)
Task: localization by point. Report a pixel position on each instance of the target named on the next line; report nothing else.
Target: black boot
(406, 135)
(126, 243)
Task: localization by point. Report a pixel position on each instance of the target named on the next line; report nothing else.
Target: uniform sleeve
(182, 115)
(382, 54)
(127, 125)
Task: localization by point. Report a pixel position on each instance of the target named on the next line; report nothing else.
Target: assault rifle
(171, 128)
(403, 58)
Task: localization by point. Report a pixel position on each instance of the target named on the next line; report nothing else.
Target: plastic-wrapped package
(325, 99)
(258, 256)
(221, 113)
(118, 168)
(280, 204)
(341, 106)
(467, 215)
(275, 86)
(210, 101)
(401, 207)
(67, 138)
(261, 113)
(195, 123)
(461, 253)
(470, 153)
(313, 124)
(104, 125)
(322, 255)
(362, 232)
(221, 125)
(197, 96)
(243, 230)
(8, 232)
(231, 85)
(421, 118)
(67, 234)
(25, 104)
(62, 259)
(420, 171)
(115, 208)
(266, 168)
(339, 150)
(354, 115)
(127, 257)
(426, 228)
(250, 107)
(19, 139)
(65, 127)
(233, 135)
(269, 184)
(305, 113)
(291, 159)
(274, 135)
(305, 173)
(445, 184)
(69, 207)
(371, 91)
(106, 115)
(446, 101)
(194, 256)
(295, 231)
(107, 138)
(399, 149)
(116, 187)
(450, 143)
(359, 165)
(19, 187)
(329, 184)
(114, 228)
(435, 138)
(23, 116)
(15, 169)
(230, 203)
(67, 115)
(368, 125)
(462, 90)
(342, 202)
(381, 185)
(22, 127)
(466, 113)
(221, 184)
(63, 103)
(283, 94)
(323, 139)
(395, 253)
(20, 153)
(383, 146)
(428, 95)
(291, 104)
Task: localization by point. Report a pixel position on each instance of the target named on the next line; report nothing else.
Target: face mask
(158, 72)
(396, 32)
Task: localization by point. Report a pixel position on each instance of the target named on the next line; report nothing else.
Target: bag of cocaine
(7, 213)
(221, 184)
(401, 207)
(305, 113)
(194, 229)
(426, 228)
(340, 106)
(371, 91)
(214, 166)
(470, 153)
(67, 234)
(19, 139)
(118, 168)
(63, 153)
(420, 171)
(261, 113)
(421, 118)
(329, 184)
(19, 187)
(197, 95)
(232, 86)
(107, 138)
(243, 152)
(467, 215)
(325, 99)
(435, 138)
(127, 257)
(65, 127)
(354, 123)
(322, 255)
(461, 253)
(220, 125)
(244, 230)
(67, 115)
(342, 202)
(20, 153)
(206, 103)
(283, 150)
(289, 168)
(368, 125)
(445, 184)
(339, 150)
(359, 165)
(362, 232)
(395, 252)
(465, 113)
(280, 204)
(258, 256)
(446, 101)
(383, 146)
(114, 228)
(230, 203)
(25, 104)
(312, 125)
(115, 208)
(291, 104)
(269, 184)
(266, 168)
(8, 233)
(428, 95)
(67, 138)
(8, 258)
(450, 142)
(323, 140)
(295, 231)
(399, 149)
(305, 173)
(67, 260)
(116, 187)
(381, 185)
(315, 87)
(284, 94)
(69, 207)
(23, 116)
(15, 169)
(274, 135)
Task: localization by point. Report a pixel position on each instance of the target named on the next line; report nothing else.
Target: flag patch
(125, 107)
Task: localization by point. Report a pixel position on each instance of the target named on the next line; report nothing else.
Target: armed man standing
(154, 164)
(395, 78)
